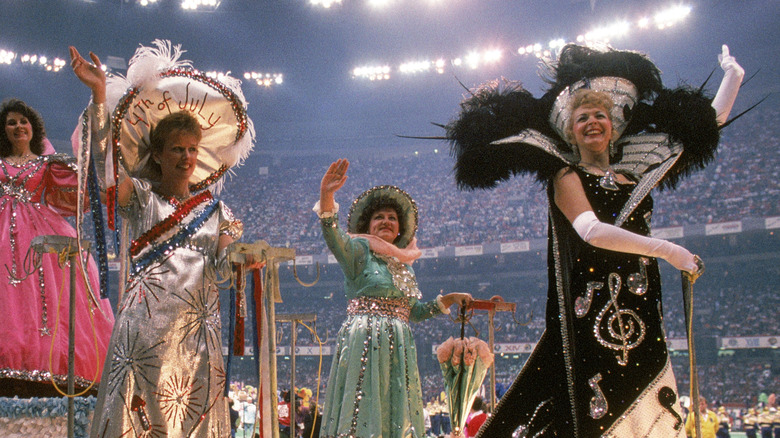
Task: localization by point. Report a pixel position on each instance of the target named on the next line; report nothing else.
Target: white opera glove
(610, 237)
(729, 86)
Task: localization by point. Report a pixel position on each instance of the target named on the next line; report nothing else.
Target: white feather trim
(147, 63)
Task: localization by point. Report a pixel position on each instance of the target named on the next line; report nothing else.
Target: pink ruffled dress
(34, 197)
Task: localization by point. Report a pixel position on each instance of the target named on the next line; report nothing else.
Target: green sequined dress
(374, 387)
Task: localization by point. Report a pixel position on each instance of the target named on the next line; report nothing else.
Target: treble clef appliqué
(623, 328)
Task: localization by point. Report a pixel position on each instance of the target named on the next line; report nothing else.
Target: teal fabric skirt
(374, 386)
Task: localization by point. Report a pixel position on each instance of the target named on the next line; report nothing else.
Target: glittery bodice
(28, 182)
(368, 274)
(607, 204)
(22, 183)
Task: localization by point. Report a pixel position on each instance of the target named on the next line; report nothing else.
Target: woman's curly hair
(592, 98)
(376, 204)
(36, 121)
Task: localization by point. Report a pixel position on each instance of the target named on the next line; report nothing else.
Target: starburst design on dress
(179, 400)
(205, 324)
(156, 431)
(221, 376)
(140, 288)
(128, 357)
(218, 432)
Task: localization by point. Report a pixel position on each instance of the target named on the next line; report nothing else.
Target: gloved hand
(727, 92)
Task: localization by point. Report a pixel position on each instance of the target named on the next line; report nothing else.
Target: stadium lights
(112, 63)
(476, 59)
(324, 3)
(671, 16)
(492, 56)
(557, 43)
(6, 56)
(201, 5)
(264, 79)
(414, 67)
(472, 60)
(146, 2)
(372, 73)
(533, 49)
(606, 33)
(41, 61)
(440, 64)
(378, 3)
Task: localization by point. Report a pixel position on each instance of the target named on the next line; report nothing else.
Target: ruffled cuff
(440, 304)
(327, 218)
(325, 214)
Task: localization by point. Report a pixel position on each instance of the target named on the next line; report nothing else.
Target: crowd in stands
(730, 381)
(276, 205)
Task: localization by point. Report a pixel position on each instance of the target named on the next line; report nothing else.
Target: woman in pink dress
(37, 189)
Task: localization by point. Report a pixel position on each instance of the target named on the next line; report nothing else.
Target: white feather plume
(147, 63)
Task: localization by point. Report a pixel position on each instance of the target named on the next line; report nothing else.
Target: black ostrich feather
(687, 116)
(496, 110)
(576, 63)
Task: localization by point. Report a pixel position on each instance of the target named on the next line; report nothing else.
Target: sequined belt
(388, 307)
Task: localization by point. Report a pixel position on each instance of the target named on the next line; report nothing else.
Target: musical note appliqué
(637, 282)
(582, 304)
(598, 403)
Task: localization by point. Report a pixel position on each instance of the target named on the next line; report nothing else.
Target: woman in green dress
(374, 386)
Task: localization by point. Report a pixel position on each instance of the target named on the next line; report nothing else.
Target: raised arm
(571, 200)
(729, 86)
(92, 75)
(332, 181)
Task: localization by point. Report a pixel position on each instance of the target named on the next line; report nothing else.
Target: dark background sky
(320, 105)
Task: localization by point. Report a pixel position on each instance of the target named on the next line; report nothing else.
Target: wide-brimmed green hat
(407, 215)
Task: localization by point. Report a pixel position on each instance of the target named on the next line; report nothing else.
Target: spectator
(476, 417)
(708, 419)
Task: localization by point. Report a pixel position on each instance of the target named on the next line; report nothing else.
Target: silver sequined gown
(164, 374)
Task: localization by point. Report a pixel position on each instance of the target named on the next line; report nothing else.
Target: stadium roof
(320, 103)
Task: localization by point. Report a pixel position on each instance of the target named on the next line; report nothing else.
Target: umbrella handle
(462, 321)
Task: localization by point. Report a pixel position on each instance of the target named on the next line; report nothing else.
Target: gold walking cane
(687, 288)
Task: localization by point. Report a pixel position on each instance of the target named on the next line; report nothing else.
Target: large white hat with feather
(159, 83)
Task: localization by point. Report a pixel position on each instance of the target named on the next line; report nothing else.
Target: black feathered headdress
(503, 130)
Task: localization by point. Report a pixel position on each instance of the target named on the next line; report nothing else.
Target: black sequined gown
(601, 367)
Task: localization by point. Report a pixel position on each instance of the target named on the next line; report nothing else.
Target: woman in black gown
(601, 368)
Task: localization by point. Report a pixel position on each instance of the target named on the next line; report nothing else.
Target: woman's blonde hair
(593, 98)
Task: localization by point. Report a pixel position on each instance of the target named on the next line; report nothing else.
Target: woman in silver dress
(164, 375)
